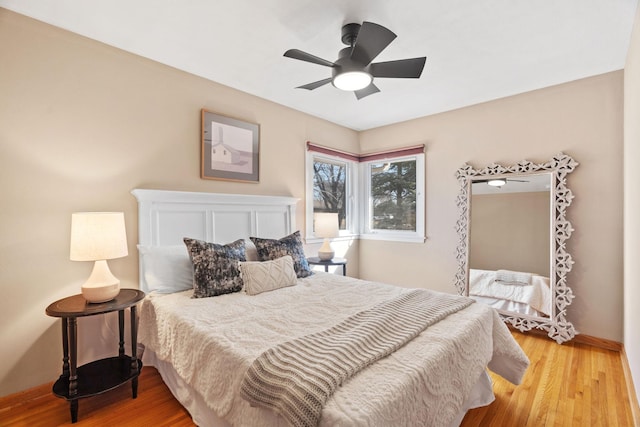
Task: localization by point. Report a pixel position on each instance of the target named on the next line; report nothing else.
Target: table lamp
(98, 236)
(326, 226)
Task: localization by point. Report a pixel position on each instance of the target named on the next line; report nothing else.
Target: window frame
(351, 186)
(367, 210)
(358, 198)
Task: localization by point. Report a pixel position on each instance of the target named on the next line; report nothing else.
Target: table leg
(326, 268)
(65, 347)
(121, 331)
(73, 362)
(344, 269)
(74, 410)
(134, 351)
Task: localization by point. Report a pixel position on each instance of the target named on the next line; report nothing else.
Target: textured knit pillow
(267, 276)
(270, 249)
(215, 267)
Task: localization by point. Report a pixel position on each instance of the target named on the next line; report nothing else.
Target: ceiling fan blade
(315, 85)
(403, 68)
(372, 39)
(304, 56)
(369, 90)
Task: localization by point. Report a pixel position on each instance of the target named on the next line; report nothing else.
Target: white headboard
(166, 217)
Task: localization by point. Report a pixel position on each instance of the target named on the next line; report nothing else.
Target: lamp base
(102, 285)
(326, 252)
(100, 294)
(326, 256)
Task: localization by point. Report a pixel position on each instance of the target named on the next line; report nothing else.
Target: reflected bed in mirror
(510, 231)
(512, 249)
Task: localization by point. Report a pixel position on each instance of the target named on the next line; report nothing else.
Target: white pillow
(165, 269)
(267, 276)
(251, 252)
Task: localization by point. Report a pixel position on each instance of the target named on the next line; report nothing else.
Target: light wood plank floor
(566, 385)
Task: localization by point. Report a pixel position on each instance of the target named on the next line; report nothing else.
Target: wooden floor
(566, 385)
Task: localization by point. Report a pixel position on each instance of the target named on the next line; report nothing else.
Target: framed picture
(230, 148)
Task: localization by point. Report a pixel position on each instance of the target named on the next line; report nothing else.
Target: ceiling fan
(353, 69)
(497, 182)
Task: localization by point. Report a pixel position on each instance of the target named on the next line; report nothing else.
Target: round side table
(101, 375)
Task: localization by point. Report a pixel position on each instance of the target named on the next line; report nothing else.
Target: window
(393, 195)
(393, 198)
(330, 188)
(330, 182)
(379, 196)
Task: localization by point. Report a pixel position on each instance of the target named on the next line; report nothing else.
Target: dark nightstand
(314, 260)
(101, 375)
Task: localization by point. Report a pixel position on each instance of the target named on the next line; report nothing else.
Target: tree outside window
(393, 195)
(329, 189)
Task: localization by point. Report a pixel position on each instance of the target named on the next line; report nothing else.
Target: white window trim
(351, 206)
(393, 235)
(359, 203)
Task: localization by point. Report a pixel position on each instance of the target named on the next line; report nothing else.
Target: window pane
(329, 189)
(393, 195)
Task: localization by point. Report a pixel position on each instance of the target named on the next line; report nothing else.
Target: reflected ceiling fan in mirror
(354, 70)
(497, 182)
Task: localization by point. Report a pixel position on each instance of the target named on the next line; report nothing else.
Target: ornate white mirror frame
(557, 326)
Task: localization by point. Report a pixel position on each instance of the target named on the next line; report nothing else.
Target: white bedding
(537, 294)
(210, 343)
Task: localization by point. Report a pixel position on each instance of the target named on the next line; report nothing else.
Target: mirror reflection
(512, 248)
(510, 261)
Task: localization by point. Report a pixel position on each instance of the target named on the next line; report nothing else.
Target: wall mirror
(513, 232)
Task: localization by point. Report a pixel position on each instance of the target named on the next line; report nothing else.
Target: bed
(203, 347)
(513, 291)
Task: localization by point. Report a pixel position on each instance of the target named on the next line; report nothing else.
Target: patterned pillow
(270, 249)
(267, 276)
(215, 267)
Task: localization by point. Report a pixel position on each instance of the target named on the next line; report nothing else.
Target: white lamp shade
(326, 225)
(97, 236)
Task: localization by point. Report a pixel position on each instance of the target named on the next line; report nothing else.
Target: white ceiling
(476, 50)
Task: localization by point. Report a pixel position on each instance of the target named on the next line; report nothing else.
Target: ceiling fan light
(352, 80)
(497, 182)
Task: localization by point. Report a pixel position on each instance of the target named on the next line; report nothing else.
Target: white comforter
(537, 294)
(211, 342)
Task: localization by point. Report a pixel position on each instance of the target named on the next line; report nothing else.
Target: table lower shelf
(98, 377)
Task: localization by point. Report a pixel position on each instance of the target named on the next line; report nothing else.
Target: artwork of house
(221, 152)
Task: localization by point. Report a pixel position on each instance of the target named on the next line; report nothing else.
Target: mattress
(209, 343)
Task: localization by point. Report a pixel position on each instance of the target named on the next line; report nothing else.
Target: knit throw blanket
(296, 378)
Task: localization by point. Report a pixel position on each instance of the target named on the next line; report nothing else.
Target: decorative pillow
(270, 249)
(215, 267)
(165, 269)
(250, 251)
(267, 276)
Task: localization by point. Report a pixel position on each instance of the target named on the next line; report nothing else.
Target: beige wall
(510, 231)
(632, 203)
(81, 124)
(581, 118)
